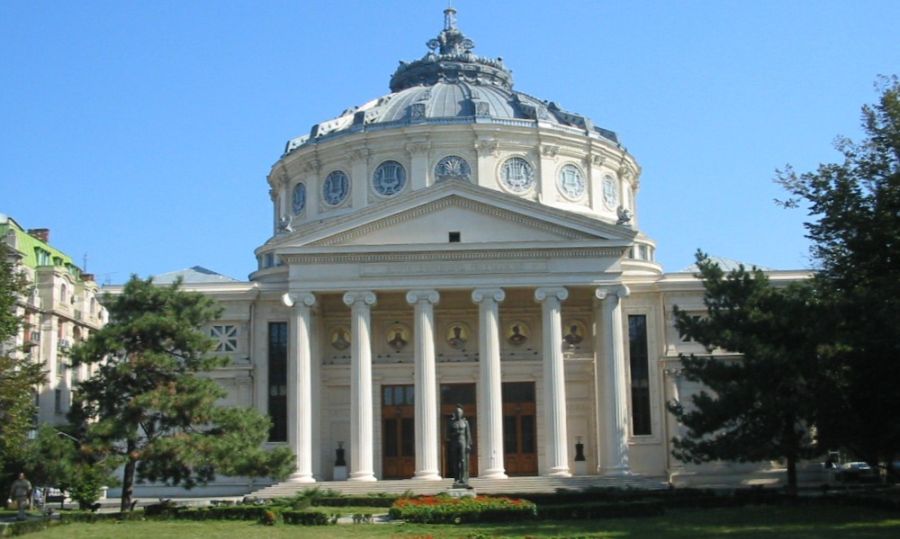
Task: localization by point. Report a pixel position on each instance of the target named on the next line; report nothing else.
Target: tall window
(278, 381)
(640, 374)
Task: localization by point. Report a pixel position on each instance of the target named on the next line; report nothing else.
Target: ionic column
(299, 383)
(554, 380)
(615, 394)
(673, 393)
(490, 404)
(426, 385)
(361, 434)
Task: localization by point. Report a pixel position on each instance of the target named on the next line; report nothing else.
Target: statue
(459, 445)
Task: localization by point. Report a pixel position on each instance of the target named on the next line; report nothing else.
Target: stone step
(484, 486)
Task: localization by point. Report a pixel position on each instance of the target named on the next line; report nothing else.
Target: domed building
(457, 242)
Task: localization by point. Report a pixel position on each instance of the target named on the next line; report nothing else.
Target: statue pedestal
(340, 473)
(460, 492)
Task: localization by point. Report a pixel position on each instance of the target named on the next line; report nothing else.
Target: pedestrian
(20, 491)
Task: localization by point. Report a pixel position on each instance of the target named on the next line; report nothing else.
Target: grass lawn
(755, 521)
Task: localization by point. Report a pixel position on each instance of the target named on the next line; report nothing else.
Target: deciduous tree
(150, 404)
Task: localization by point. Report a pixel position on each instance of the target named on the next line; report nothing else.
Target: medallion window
(517, 175)
(298, 198)
(610, 192)
(452, 167)
(389, 178)
(335, 188)
(571, 182)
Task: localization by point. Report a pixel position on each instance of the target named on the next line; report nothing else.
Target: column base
(301, 478)
(559, 472)
(362, 476)
(427, 476)
(493, 474)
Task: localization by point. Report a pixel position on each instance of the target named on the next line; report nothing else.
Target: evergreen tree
(758, 406)
(854, 208)
(148, 402)
(19, 377)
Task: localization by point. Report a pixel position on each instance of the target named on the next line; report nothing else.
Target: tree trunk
(792, 475)
(128, 479)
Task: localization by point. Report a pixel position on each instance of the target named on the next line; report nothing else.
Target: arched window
(63, 293)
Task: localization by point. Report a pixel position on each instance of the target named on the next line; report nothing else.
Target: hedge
(446, 510)
(306, 518)
(638, 508)
(362, 501)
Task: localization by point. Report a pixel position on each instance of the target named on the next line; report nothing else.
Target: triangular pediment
(478, 214)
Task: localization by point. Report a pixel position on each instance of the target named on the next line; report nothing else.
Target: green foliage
(636, 508)
(18, 377)
(147, 405)
(854, 209)
(306, 518)
(760, 406)
(446, 510)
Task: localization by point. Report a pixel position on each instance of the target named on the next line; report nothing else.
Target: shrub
(306, 518)
(446, 510)
(269, 518)
(23, 527)
(354, 501)
(637, 508)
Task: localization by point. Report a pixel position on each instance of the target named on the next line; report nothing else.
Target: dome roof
(451, 85)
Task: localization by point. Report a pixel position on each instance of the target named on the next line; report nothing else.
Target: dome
(451, 85)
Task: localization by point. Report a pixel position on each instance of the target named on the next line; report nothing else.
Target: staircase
(513, 485)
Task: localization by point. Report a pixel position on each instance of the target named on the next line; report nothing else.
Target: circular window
(610, 192)
(452, 167)
(298, 198)
(336, 188)
(517, 175)
(571, 182)
(389, 178)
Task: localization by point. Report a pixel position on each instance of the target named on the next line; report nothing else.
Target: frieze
(428, 256)
(453, 268)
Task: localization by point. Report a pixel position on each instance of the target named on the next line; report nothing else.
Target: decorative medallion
(517, 175)
(398, 336)
(458, 335)
(571, 182)
(298, 198)
(610, 192)
(336, 188)
(452, 167)
(575, 333)
(389, 178)
(517, 333)
(340, 338)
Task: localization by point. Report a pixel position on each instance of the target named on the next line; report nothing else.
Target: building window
(225, 336)
(57, 401)
(63, 293)
(640, 374)
(278, 339)
(42, 256)
(455, 237)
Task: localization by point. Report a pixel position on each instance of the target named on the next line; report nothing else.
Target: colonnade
(611, 375)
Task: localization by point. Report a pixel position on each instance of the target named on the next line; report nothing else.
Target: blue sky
(141, 133)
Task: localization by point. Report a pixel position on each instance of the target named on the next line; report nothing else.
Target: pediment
(479, 215)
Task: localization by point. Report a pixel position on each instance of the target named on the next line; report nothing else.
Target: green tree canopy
(149, 404)
(854, 209)
(759, 406)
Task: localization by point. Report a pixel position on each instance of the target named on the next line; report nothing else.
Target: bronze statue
(459, 444)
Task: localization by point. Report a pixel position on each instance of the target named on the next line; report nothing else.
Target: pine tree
(758, 406)
(148, 402)
(854, 208)
(19, 377)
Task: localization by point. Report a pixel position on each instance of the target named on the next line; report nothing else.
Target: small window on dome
(298, 198)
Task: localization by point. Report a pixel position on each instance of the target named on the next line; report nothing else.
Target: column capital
(619, 290)
(423, 296)
(298, 299)
(543, 294)
(481, 294)
(359, 296)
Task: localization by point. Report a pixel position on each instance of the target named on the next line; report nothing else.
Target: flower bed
(446, 510)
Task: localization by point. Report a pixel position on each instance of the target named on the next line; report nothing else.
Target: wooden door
(398, 435)
(451, 395)
(519, 429)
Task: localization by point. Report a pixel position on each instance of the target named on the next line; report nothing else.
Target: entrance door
(519, 429)
(451, 395)
(398, 437)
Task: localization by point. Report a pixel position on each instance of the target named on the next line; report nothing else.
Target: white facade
(458, 240)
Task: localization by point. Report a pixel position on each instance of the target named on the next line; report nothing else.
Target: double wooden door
(451, 396)
(519, 429)
(398, 435)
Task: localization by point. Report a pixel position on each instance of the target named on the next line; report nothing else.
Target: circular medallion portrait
(574, 333)
(517, 333)
(398, 336)
(340, 338)
(458, 334)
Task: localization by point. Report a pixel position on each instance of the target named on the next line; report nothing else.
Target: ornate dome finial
(449, 18)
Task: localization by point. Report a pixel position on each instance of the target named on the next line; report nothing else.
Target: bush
(226, 512)
(354, 501)
(637, 508)
(446, 510)
(23, 527)
(85, 516)
(306, 518)
(269, 518)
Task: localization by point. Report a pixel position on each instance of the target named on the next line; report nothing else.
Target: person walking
(20, 491)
